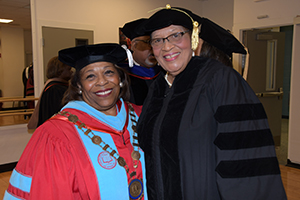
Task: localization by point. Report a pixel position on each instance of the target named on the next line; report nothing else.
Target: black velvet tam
(130, 28)
(209, 32)
(166, 17)
(220, 38)
(81, 56)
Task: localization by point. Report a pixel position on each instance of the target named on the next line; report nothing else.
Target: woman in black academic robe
(204, 132)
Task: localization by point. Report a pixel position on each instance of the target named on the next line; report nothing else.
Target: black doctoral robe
(51, 100)
(207, 137)
(139, 88)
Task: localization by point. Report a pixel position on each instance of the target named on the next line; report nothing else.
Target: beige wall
(219, 11)
(12, 61)
(279, 13)
(28, 47)
(16, 54)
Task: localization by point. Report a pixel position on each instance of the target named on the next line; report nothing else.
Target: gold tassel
(195, 35)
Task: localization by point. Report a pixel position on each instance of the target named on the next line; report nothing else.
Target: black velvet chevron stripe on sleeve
(248, 168)
(240, 112)
(243, 140)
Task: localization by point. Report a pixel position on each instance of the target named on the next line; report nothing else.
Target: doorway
(268, 74)
(55, 39)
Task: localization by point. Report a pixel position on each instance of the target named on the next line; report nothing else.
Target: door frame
(55, 39)
(294, 125)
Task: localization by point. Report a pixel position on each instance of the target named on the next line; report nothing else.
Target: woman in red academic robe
(89, 150)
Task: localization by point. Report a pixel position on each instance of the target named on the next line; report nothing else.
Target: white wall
(280, 13)
(13, 140)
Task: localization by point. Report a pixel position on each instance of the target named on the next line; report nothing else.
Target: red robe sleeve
(56, 162)
(137, 109)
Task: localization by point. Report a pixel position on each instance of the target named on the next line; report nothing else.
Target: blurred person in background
(50, 101)
(145, 68)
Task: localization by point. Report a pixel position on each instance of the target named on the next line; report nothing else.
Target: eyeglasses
(173, 38)
(142, 45)
(145, 41)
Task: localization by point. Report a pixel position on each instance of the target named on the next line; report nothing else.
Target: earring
(80, 92)
(193, 53)
(121, 84)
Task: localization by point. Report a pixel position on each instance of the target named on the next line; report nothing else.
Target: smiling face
(173, 57)
(100, 86)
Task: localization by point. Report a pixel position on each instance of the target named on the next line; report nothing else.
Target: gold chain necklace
(136, 185)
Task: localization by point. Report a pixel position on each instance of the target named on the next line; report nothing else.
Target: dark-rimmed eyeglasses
(142, 45)
(145, 41)
(173, 38)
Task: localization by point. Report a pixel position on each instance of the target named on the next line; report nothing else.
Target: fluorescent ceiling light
(6, 20)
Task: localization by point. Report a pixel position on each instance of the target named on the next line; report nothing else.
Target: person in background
(89, 150)
(145, 68)
(28, 82)
(204, 132)
(50, 101)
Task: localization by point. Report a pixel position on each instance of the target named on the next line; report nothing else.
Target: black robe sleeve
(230, 151)
(51, 100)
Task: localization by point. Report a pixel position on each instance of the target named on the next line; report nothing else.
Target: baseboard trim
(291, 164)
(7, 167)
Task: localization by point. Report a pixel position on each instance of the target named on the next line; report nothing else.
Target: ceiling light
(6, 20)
